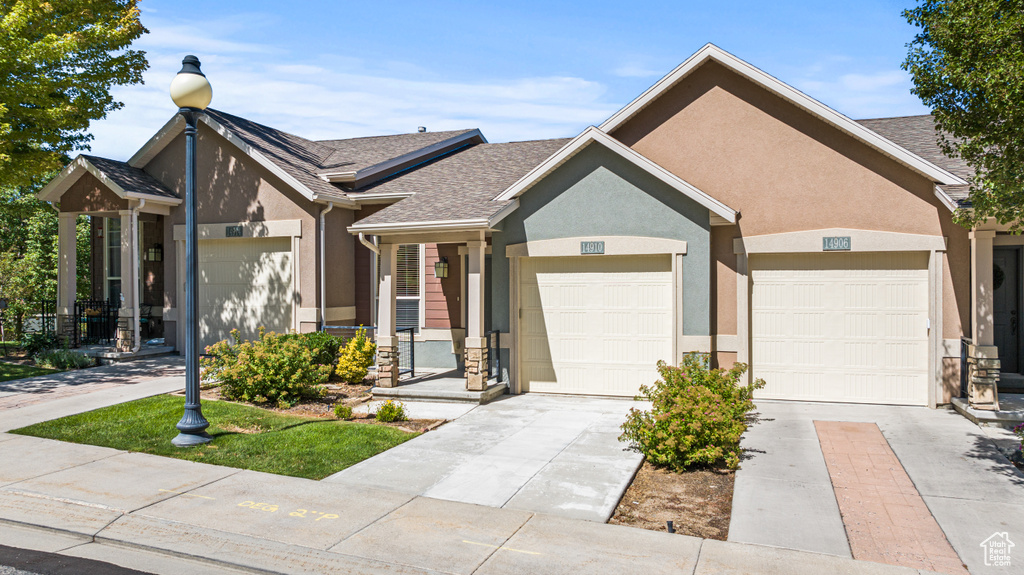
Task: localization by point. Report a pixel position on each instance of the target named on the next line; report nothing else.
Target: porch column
(982, 328)
(129, 276)
(983, 356)
(67, 247)
(387, 343)
(476, 342)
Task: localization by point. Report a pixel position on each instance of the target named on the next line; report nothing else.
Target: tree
(28, 254)
(967, 64)
(58, 62)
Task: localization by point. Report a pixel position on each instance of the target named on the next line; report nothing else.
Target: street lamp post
(191, 92)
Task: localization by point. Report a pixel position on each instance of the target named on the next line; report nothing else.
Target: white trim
(62, 183)
(614, 246)
(786, 92)
(158, 142)
(457, 225)
(379, 197)
(267, 229)
(423, 287)
(593, 134)
(349, 176)
(810, 241)
(340, 313)
(726, 343)
(945, 199)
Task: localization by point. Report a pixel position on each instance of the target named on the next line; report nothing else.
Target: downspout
(373, 247)
(323, 264)
(138, 278)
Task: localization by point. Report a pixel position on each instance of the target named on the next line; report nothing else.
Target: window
(408, 286)
(112, 250)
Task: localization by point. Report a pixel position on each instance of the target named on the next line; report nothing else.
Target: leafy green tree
(28, 254)
(58, 62)
(967, 64)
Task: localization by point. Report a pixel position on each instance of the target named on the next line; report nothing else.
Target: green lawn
(9, 371)
(243, 436)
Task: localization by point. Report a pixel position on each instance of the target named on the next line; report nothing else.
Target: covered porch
(480, 370)
(992, 359)
(127, 211)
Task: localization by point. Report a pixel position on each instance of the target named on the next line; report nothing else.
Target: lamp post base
(191, 439)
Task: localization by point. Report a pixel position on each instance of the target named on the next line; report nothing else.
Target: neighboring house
(722, 211)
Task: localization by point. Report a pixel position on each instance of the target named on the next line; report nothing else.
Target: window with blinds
(407, 286)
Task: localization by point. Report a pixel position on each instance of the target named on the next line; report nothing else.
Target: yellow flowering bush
(356, 357)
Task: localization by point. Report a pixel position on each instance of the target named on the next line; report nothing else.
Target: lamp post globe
(191, 92)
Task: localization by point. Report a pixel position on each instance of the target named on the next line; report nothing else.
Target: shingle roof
(917, 134)
(129, 178)
(357, 154)
(461, 185)
(303, 159)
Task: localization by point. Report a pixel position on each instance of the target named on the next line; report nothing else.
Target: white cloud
(864, 95)
(323, 96)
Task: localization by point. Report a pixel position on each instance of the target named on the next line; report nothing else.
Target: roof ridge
(896, 117)
(459, 131)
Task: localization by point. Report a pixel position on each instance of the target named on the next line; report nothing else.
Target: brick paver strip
(886, 520)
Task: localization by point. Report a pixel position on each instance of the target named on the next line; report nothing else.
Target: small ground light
(671, 528)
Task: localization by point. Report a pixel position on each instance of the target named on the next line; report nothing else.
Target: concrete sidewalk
(784, 495)
(545, 454)
(164, 515)
(36, 399)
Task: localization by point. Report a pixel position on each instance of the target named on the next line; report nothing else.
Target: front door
(1006, 301)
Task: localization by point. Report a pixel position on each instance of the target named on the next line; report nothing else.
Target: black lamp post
(191, 92)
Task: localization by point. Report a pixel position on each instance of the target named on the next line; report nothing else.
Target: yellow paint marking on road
(188, 494)
(502, 547)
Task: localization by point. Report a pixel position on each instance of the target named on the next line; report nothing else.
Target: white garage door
(849, 327)
(244, 284)
(596, 324)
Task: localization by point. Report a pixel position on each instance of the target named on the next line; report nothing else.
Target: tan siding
(362, 271)
(785, 170)
(88, 194)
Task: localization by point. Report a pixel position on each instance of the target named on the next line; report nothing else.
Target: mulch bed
(698, 502)
(323, 407)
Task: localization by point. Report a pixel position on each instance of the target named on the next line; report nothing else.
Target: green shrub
(697, 418)
(356, 357)
(342, 411)
(273, 369)
(36, 343)
(63, 359)
(322, 345)
(391, 411)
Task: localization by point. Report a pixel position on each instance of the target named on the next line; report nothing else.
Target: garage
(844, 327)
(245, 284)
(594, 325)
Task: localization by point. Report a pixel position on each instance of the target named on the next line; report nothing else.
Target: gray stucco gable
(597, 193)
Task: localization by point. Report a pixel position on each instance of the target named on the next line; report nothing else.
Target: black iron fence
(44, 321)
(95, 321)
(406, 351)
(964, 343)
(494, 356)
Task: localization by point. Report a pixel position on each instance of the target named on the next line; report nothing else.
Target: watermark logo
(997, 549)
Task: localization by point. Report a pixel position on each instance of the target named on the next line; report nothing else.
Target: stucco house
(721, 211)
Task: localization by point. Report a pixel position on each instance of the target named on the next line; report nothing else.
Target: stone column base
(387, 366)
(66, 329)
(125, 333)
(982, 377)
(476, 368)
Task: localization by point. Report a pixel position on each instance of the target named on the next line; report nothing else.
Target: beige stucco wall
(340, 251)
(234, 188)
(786, 170)
(88, 194)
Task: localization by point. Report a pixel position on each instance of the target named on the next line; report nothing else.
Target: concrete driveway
(547, 454)
(786, 497)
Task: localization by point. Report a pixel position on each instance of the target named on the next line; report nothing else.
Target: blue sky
(516, 70)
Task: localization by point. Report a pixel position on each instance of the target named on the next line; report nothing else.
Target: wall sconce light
(155, 253)
(441, 268)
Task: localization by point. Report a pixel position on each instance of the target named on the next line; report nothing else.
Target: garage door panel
(244, 284)
(841, 327)
(595, 325)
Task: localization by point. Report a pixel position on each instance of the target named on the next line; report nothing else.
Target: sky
(517, 70)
